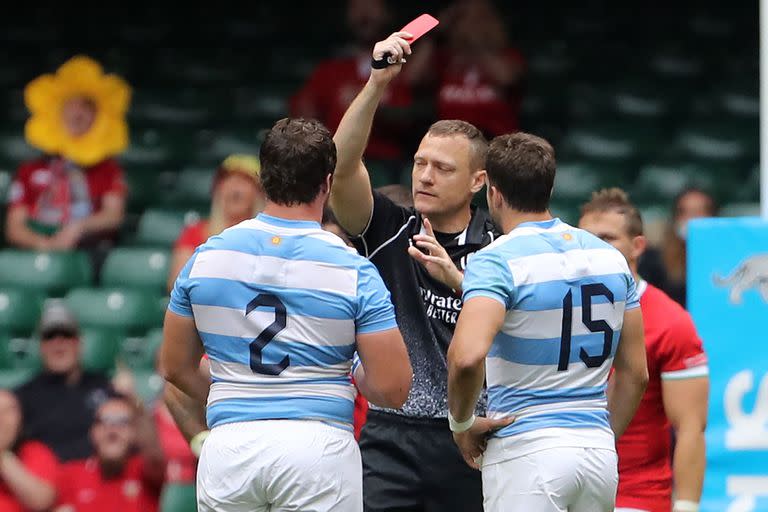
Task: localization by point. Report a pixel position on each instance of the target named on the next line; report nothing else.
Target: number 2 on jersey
(587, 292)
(257, 346)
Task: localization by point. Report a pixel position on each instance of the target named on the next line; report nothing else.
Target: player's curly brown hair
(297, 156)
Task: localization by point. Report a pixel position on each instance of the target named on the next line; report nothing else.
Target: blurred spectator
(237, 196)
(335, 82)
(74, 196)
(127, 471)
(480, 73)
(58, 404)
(28, 469)
(330, 224)
(689, 204)
(399, 194)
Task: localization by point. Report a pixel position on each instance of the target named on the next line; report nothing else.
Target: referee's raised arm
(351, 197)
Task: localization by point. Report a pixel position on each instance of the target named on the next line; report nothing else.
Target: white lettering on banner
(746, 431)
(746, 489)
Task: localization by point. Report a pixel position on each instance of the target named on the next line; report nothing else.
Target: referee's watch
(457, 427)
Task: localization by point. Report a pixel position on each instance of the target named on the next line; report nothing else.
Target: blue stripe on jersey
(508, 399)
(231, 349)
(298, 301)
(327, 408)
(341, 380)
(557, 419)
(300, 247)
(550, 294)
(547, 351)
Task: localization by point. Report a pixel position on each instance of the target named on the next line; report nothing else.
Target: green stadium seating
(13, 378)
(740, 210)
(19, 353)
(661, 181)
(148, 385)
(19, 310)
(140, 352)
(612, 141)
(50, 272)
(98, 349)
(721, 140)
(178, 498)
(130, 311)
(137, 268)
(192, 188)
(160, 227)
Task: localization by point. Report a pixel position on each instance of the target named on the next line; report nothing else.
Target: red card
(420, 26)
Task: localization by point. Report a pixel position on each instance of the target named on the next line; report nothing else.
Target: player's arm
(630, 377)
(180, 356)
(188, 414)
(480, 320)
(685, 395)
(351, 196)
(685, 403)
(384, 374)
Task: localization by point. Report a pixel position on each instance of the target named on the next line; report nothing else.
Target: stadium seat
(158, 227)
(131, 311)
(611, 141)
(740, 210)
(721, 140)
(178, 498)
(192, 188)
(148, 385)
(19, 353)
(13, 378)
(576, 180)
(661, 181)
(137, 268)
(140, 352)
(98, 349)
(19, 310)
(51, 272)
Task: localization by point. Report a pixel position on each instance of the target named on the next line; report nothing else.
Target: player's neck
(510, 219)
(311, 212)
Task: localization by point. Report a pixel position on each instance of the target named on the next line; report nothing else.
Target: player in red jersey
(677, 393)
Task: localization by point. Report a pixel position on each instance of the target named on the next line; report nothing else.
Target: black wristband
(380, 64)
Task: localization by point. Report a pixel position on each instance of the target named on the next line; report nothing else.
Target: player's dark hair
(522, 168)
(477, 141)
(297, 156)
(615, 200)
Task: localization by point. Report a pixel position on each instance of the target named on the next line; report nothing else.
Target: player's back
(565, 297)
(275, 303)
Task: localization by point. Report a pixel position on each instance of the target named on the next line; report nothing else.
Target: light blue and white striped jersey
(565, 292)
(278, 304)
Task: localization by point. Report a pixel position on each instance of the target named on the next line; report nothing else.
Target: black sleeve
(387, 219)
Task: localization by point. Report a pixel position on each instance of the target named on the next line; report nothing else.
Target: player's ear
(495, 198)
(326, 188)
(639, 244)
(478, 180)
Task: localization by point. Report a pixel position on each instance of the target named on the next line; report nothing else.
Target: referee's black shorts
(412, 464)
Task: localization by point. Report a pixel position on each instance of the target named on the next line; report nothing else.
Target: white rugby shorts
(279, 465)
(561, 479)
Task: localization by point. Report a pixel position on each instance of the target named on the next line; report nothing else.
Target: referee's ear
(479, 178)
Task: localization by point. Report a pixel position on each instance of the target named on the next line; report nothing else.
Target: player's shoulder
(667, 314)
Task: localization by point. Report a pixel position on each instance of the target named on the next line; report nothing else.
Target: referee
(409, 459)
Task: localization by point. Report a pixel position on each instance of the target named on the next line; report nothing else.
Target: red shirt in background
(332, 87)
(674, 351)
(181, 464)
(55, 192)
(38, 460)
(192, 235)
(84, 489)
(467, 93)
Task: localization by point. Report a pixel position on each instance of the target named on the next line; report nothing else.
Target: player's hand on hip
(473, 442)
(435, 259)
(395, 48)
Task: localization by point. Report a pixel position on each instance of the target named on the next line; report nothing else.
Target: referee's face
(443, 181)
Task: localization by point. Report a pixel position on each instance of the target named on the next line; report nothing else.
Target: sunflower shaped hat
(79, 77)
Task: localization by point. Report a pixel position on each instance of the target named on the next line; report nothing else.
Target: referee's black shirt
(426, 309)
